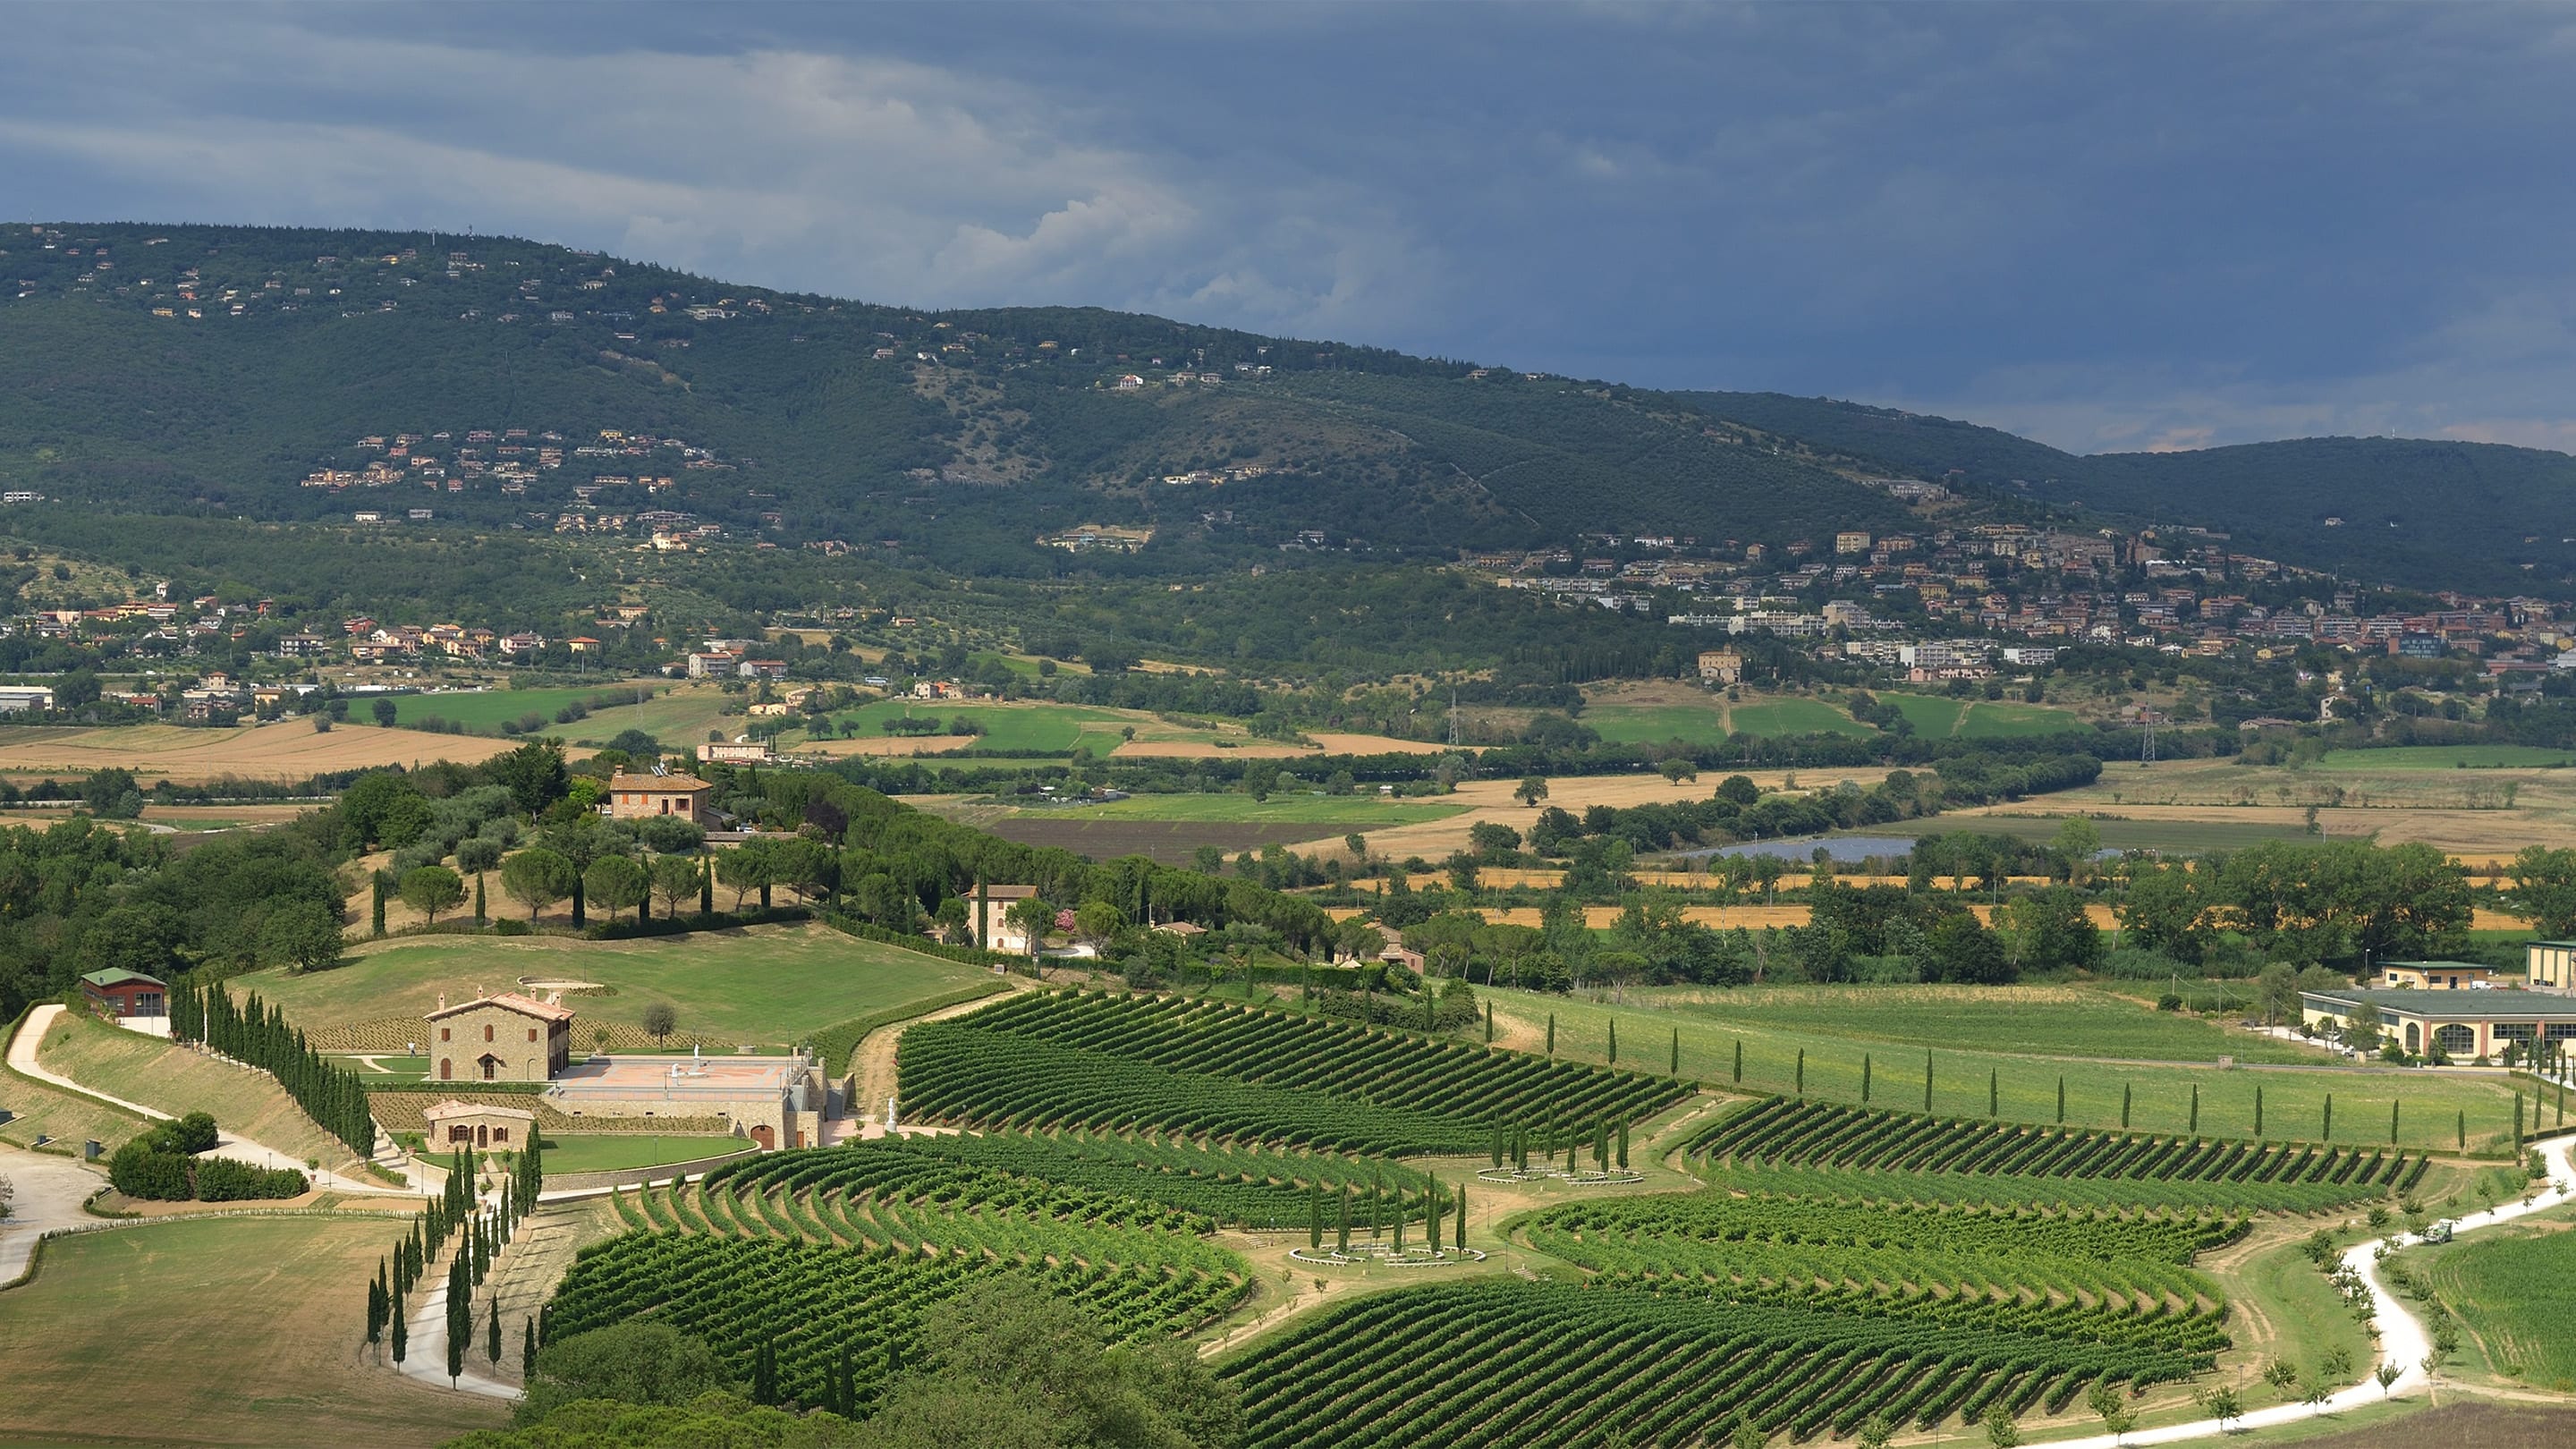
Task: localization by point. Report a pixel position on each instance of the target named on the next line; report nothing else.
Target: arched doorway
(491, 1068)
(764, 1138)
(482, 1135)
(2414, 1038)
(446, 1070)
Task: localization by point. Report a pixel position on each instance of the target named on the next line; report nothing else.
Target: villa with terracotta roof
(504, 1038)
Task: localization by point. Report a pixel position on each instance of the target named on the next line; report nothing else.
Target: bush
(220, 1179)
(161, 1166)
(2169, 1002)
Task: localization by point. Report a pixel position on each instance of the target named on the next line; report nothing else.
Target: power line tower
(2147, 740)
(1453, 718)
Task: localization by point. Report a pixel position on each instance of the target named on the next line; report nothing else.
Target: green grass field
(1934, 717)
(485, 709)
(229, 1331)
(1998, 719)
(2053, 1020)
(2028, 1063)
(1359, 812)
(1631, 724)
(2183, 836)
(2446, 757)
(767, 985)
(171, 1079)
(2515, 1288)
(611, 1151)
(1052, 728)
(1794, 717)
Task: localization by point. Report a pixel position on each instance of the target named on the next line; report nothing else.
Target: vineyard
(1216, 1185)
(1115, 1063)
(1784, 1131)
(1588, 1367)
(2088, 1275)
(808, 1302)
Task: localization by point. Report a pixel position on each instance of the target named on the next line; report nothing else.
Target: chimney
(442, 1001)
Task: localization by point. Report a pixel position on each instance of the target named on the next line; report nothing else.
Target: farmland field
(151, 1319)
(1794, 716)
(1990, 719)
(2515, 1293)
(483, 709)
(1360, 812)
(2448, 757)
(286, 750)
(1628, 724)
(1165, 841)
(2024, 1073)
(762, 986)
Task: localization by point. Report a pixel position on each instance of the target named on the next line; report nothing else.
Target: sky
(2109, 227)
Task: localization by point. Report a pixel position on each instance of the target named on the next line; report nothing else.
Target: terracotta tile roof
(454, 1108)
(510, 1001)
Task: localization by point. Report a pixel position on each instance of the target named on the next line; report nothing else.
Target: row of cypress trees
(251, 1032)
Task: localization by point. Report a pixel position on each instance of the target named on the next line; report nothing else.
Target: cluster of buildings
(2177, 590)
(2464, 1010)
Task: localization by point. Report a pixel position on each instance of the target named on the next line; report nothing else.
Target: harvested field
(214, 1331)
(1491, 800)
(287, 750)
(1168, 842)
(2464, 1426)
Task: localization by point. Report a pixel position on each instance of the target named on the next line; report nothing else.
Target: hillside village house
(504, 1038)
(2552, 964)
(120, 993)
(992, 931)
(639, 797)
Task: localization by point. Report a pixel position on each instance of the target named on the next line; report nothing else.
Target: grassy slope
(2444, 757)
(2026, 1079)
(175, 1080)
(1623, 724)
(139, 1333)
(41, 1110)
(1795, 717)
(484, 708)
(2516, 1290)
(766, 985)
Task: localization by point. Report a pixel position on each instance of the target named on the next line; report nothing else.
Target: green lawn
(1052, 728)
(1629, 724)
(2515, 1288)
(1995, 719)
(2049, 1020)
(2445, 757)
(2029, 1061)
(1933, 716)
(225, 1331)
(768, 985)
(610, 1151)
(1360, 812)
(388, 1065)
(1794, 717)
(483, 709)
(149, 1070)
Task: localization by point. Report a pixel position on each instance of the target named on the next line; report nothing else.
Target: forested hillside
(2401, 510)
(180, 370)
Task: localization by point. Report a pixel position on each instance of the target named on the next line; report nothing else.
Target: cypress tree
(455, 1355)
(375, 1307)
(1551, 1033)
(1520, 1149)
(2195, 1107)
(1376, 1194)
(2392, 1123)
(1601, 1143)
(2517, 1123)
(492, 1333)
(1315, 1217)
(707, 892)
(2258, 1109)
(1927, 1081)
(480, 919)
(2329, 1124)
(1431, 1228)
(2464, 1131)
(1676, 1068)
(1489, 1020)
(1864, 1078)
(1342, 1235)
(1623, 1146)
(376, 884)
(1399, 1223)
(528, 1349)
(1739, 1061)
(1498, 1146)
(1614, 1041)
(2124, 1106)
(402, 1333)
(1994, 1083)
(2061, 1101)
(1462, 1218)
(1802, 1071)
